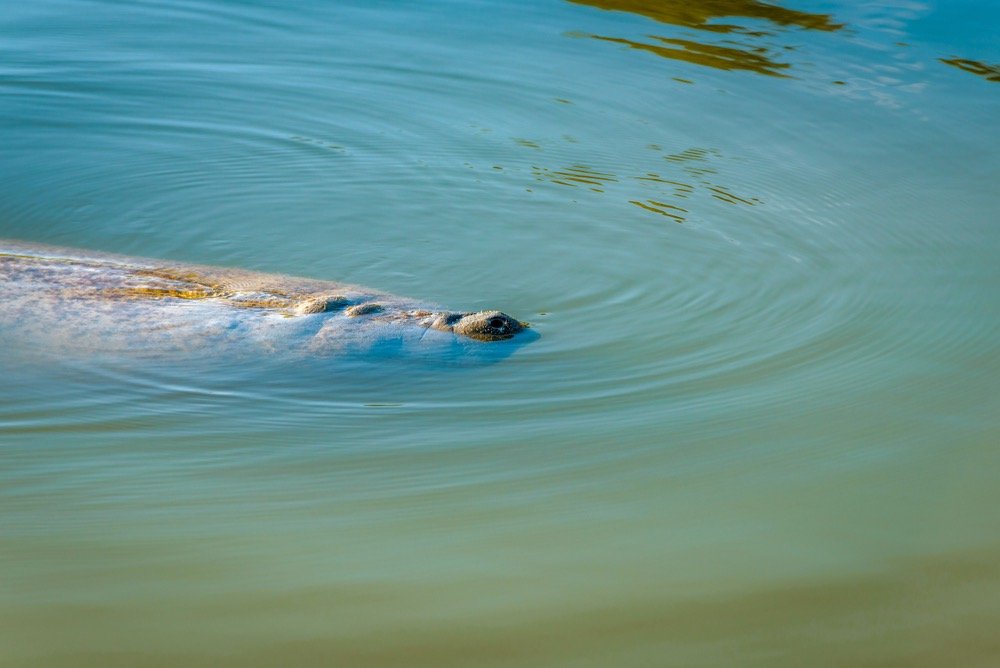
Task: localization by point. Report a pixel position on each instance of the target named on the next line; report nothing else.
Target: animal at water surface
(63, 299)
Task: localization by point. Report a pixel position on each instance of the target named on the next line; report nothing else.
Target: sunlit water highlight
(758, 426)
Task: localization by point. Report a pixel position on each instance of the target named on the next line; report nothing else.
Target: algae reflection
(747, 54)
(687, 174)
(988, 72)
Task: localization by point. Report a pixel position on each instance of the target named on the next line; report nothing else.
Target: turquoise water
(758, 244)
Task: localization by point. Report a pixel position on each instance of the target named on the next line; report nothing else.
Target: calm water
(760, 246)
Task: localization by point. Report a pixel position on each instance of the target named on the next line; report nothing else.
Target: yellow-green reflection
(692, 155)
(575, 175)
(659, 194)
(731, 55)
(988, 72)
(720, 193)
(709, 55)
(688, 14)
(662, 208)
(527, 143)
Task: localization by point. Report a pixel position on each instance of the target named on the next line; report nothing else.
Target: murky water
(758, 243)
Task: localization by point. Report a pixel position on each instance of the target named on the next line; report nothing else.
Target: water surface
(758, 243)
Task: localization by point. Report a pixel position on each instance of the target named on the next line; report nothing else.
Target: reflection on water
(695, 166)
(319, 143)
(709, 55)
(728, 54)
(758, 41)
(527, 143)
(699, 14)
(575, 175)
(768, 432)
(662, 208)
(988, 72)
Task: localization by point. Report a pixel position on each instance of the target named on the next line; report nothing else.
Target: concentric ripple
(755, 243)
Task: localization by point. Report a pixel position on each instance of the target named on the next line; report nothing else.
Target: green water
(760, 247)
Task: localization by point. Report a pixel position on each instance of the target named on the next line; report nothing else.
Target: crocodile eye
(498, 323)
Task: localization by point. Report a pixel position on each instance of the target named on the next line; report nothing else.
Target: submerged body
(70, 299)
